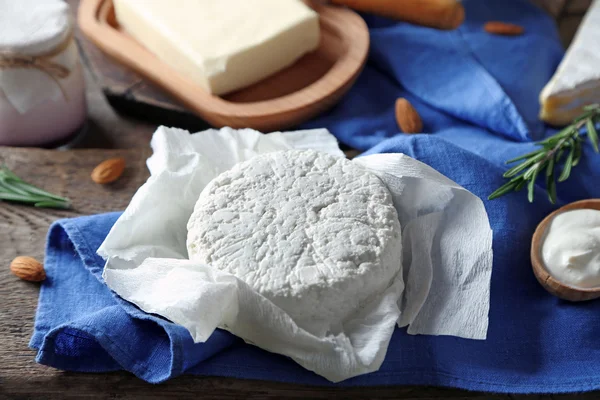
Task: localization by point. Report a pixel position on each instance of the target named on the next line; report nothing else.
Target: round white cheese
(316, 234)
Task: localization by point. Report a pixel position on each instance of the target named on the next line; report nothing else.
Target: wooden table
(23, 230)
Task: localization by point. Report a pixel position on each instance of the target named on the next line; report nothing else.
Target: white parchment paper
(443, 288)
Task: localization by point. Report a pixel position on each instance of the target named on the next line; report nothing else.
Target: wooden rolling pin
(439, 14)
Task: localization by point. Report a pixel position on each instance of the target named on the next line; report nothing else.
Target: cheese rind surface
(316, 234)
(222, 45)
(576, 82)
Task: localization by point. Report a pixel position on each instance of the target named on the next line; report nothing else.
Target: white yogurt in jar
(42, 90)
(571, 248)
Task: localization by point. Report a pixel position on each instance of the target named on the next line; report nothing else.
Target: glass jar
(42, 88)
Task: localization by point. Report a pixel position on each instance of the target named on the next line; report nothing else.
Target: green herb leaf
(568, 165)
(52, 204)
(37, 191)
(20, 198)
(504, 189)
(553, 148)
(524, 156)
(520, 185)
(592, 134)
(529, 173)
(531, 186)
(578, 152)
(551, 188)
(584, 116)
(559, 155)
(524, 165)
(550, 166)
(13, 188)
(5, 185)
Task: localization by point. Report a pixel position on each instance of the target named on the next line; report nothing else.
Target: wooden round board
(310, 86)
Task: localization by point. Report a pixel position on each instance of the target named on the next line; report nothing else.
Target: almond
(108, 171)
(503, 28)
(407, 117)
(28, 268)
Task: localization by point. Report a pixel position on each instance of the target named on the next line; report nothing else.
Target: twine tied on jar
(42, 62)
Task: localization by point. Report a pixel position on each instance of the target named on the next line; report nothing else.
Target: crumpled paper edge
(435, 200)
(174, 150)
(199, 292)
(360, 348)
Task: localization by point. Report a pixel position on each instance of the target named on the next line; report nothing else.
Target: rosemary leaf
(521, 184)
(531, 186)
(13, 188)
(6, 186)
(515, 170)
(569, 141)
(568, 165)
(569, 130)
(8, 173)
(504, 189)
(578, 152)
(531, 171)
(37, 191)
(585, 115)
(550, 166)
(592, 134)
(524, 165)
(550, 142)
(524, 156)
(559, 155)
(551, 188)
(52, 204)
(20, 198)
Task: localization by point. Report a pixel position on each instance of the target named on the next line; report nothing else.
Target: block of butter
(222, 45)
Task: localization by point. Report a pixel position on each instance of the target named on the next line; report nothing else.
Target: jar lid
(33, 27)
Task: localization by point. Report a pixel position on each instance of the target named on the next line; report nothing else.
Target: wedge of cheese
(576, 82)
(222, 45)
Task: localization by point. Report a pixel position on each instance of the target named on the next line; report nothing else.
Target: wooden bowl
(551, 284)
(313, 84)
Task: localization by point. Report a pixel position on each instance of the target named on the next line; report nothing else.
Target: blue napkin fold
(477, 95)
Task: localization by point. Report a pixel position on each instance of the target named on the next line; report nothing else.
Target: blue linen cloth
(477, 94)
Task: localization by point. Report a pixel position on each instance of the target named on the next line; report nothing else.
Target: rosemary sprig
(543, 161)
(13, 188)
